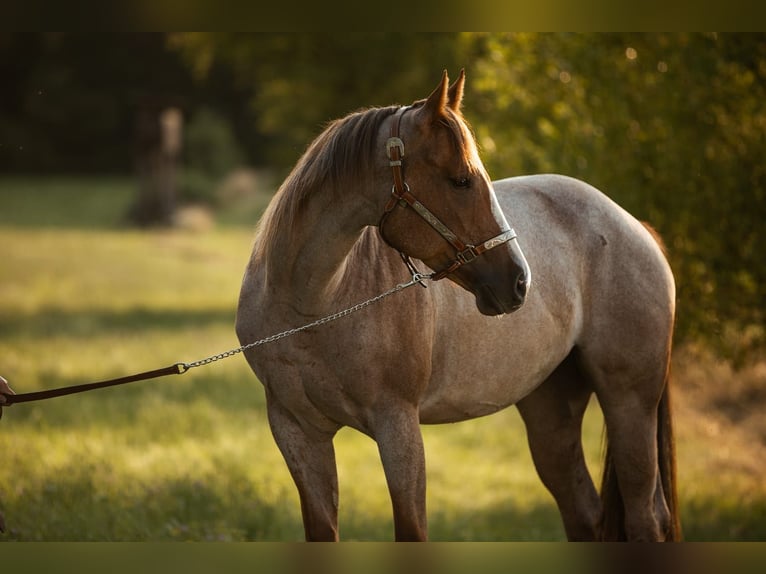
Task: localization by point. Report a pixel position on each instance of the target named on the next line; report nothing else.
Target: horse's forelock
(462, 138)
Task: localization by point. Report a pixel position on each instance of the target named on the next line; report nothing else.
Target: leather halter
(401, 195)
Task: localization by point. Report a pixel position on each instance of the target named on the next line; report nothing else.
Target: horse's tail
(613, 514)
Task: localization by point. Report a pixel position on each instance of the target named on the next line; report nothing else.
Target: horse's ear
(437, 102)
(455, 93)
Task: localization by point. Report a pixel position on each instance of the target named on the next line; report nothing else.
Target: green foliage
(672, 126)
(299, 82)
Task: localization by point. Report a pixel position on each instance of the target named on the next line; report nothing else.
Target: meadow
(84, 297)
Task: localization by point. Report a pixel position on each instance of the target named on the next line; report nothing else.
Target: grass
(191, 458)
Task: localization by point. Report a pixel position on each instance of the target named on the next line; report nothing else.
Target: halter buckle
(467, 255)
(391, 143)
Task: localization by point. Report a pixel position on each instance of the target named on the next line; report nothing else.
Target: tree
(299, 82)
(670, 125)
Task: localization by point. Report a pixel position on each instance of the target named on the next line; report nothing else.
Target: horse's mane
(345, 149)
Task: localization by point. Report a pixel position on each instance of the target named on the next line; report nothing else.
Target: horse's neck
(307, 263)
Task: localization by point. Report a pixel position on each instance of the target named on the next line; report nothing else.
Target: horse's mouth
(489, 304)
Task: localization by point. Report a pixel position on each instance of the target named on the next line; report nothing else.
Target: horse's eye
(462, 182)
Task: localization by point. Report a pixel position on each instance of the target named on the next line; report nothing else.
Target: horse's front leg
(400, 443)
(311, 460)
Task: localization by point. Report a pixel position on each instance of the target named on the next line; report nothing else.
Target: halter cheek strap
(401, 195)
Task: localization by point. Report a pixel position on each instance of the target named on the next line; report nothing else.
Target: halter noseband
(400, 195)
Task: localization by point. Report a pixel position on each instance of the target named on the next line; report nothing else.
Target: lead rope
(181, 368)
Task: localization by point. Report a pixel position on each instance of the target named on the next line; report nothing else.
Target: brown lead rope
(176, 369)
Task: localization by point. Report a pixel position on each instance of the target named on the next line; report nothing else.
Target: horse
(587, 307)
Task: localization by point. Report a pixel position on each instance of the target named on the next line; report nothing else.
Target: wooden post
(159, 137)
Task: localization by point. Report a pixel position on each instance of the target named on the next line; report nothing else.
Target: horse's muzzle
(488, 302)
(501, 288)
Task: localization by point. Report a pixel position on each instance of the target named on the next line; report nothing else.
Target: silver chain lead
(417, 278)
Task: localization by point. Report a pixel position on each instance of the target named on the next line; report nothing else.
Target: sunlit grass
(191, 457)
(176, 458)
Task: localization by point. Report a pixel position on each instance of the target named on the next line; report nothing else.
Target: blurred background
(672, 126)
(134, 166)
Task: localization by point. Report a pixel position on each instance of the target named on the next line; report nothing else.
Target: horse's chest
(338, 373)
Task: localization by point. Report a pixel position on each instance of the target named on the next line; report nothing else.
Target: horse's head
(444, 210)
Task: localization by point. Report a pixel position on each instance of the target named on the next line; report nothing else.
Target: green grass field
(84, 298)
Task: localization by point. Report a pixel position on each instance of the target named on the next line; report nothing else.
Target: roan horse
(597, 318)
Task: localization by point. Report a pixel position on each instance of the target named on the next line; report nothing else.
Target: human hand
(4, 390)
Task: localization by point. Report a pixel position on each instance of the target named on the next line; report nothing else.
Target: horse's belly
(482, 388)
(438, 411)
(461, 397)
(491, 363)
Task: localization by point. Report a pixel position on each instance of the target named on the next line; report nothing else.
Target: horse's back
(553, 211)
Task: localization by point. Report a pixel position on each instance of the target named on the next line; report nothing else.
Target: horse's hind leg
(632, 432)
(629, 396)
(553, 416)
(311, 460)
